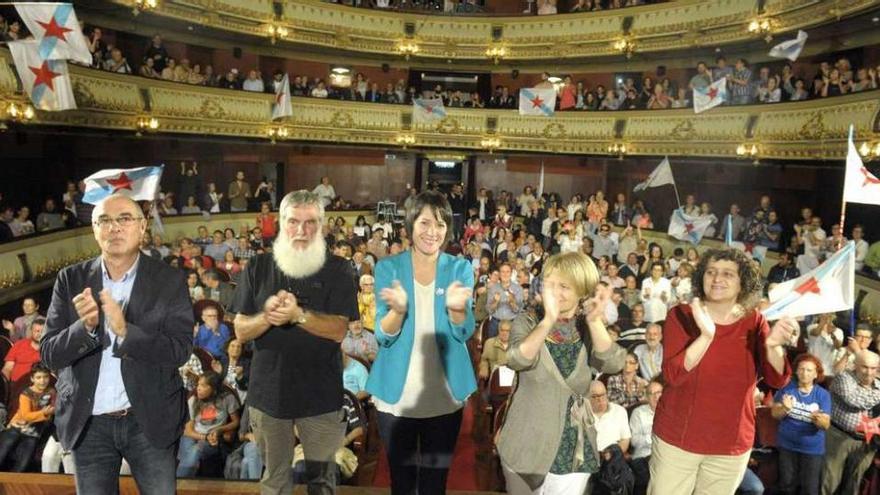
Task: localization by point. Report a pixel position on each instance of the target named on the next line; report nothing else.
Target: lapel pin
(440, 291)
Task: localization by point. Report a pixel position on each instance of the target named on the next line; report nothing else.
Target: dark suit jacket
(159, 340)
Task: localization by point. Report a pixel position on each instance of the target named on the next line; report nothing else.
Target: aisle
(462, 475)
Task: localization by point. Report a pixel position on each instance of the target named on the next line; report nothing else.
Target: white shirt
(861, 252)
(612, 427)
(426, 392)
(641, 424)
(822, 346)
(569, 245)
(253, 85)
(650, 363)
(655, 308)
(326, 193)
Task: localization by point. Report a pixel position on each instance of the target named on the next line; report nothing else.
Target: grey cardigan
(532, 430)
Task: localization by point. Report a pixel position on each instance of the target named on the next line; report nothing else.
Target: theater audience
(25, 431)
(213, 416)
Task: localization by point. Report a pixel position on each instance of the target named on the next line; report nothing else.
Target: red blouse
(710, 410)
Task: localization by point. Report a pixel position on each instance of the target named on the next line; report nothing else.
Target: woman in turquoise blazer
(423, 374)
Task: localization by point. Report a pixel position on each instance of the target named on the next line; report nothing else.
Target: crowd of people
(530, 268)
(541, 7)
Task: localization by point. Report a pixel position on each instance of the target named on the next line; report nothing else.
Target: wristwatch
(302, 318)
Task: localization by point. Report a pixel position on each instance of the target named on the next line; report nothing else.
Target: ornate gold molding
(673, 26)
(813, 129)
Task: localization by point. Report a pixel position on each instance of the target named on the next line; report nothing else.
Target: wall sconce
(761, 27)
(143, 5)
(496, 53)
(870, 151)
(407, 48)
(276, 133)
(276, 32)
(618, 149)
(20, 113)
(146, 124)
(490, 143)
(748, 151)
(625, 46)
(406, 140)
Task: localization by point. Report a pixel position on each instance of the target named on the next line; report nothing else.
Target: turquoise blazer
(388, 373)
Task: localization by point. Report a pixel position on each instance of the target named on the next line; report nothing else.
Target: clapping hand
(788, 402)
(785, 331)
(702, 318)
(594, 307)
(86, 308)
(274, 309)
(395, 297)
(113, 312)
(551, 305)
(457, 296)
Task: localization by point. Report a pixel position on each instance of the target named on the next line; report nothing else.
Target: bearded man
(295, 304)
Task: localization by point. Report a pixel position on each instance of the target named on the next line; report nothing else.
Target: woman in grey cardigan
(548, 442)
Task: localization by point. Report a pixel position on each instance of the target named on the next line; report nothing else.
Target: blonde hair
(575, 267)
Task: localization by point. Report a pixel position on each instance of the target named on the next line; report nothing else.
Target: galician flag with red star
(825, 289)
(57, 29)
(537, 101)
(47, 82)
(711, 96)
(687, 227)
(140, 184)
(427, 110)
(859, 184)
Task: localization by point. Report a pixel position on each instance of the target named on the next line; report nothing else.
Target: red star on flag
(54, 30)
(429, 109)
(537, 101)
(869, 427)
(869, 177)
(689, 227)
(713, 92)
(811, 285)
(44, 75)
(121, 182)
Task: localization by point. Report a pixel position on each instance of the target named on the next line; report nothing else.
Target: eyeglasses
(123, 221)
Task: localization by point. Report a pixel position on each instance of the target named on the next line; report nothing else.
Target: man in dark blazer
(118, 328)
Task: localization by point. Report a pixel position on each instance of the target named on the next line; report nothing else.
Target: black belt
(854, 436)
(117, 414)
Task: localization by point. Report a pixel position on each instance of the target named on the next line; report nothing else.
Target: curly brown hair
(750, 279)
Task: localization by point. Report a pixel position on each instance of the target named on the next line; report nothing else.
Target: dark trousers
(642, 474)
(419, 451)
(799, 469)
(21, 446)
(457, 225)
(105, 441)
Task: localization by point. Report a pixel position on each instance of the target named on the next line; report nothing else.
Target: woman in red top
(567, 95)
(266, 221)
(713, 352)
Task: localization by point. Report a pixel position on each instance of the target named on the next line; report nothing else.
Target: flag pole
(677, 198)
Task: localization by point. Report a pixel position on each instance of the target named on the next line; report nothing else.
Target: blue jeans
(252, 463)
(18, 446)
(751, 484)
(796, 469)
(192, 453)
(102, 445)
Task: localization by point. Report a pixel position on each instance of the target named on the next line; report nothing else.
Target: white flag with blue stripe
(790, 49)
(688, 228)
(140, 184)
(47, 82)
(537, 101)
(56, 28)
(825, 289)
(428, 110)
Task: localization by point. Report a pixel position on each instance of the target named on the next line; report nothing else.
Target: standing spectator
(853, 395)
(620, 213)
(656, 293)
(783, 271)
(803, 409)
(212, 198)
(188, 183)
(505, 300)
(97, 47)
(736, 221)
(156, 51)
(267, 222)
(20, 327)
(702, 79)
(24, 353)
(325, 191)
(627, 388)
(239, 193)
(721, 69)
(741, 83)
(861, 246)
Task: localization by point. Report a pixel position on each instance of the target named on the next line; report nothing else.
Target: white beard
(299, 263)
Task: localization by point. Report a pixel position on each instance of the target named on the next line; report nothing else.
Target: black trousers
(419, 451)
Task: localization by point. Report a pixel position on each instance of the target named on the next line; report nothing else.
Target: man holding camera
(295, 304)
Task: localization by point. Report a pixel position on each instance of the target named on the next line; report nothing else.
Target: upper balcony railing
(680, 25)
(805, 130)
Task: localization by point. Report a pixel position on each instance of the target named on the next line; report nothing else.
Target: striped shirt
(851, 400)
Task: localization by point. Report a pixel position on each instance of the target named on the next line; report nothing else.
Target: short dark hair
(750, 279)
(439, 207)
(212, 274)
(40, 367)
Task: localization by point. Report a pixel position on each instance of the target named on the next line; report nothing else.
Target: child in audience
(20, 439)
(214, 417)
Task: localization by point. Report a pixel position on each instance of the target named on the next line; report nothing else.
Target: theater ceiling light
(147, 124)
(748, 151)
(276, 133)
(407, 48)
(496, 52)
(144, 5)
(276, 32)
(490, 143)
(761, 27)
(870, 151)
(618, 149)
(625, 46)
(20, 113)
(406, 139)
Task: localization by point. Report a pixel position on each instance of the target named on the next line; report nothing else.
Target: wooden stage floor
(60, 484)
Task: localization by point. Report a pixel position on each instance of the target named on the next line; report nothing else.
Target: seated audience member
(251, 461)
(367, 302)
(234, 367)
(847, 455)
(641, 423)
(860, 341)
(213, 334)
(784, 270)
(18, 328)
(803, 409)
(495, 351)
(213, 414)
(633, 331)
(24, 353)
(354, 376)
(359, 343)
(230, 264)
(612, 423)
(627, 388)
(196, 293)
(650, 353)
(217, 249)
(217, 290)
(191, 371)
(20, 439)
